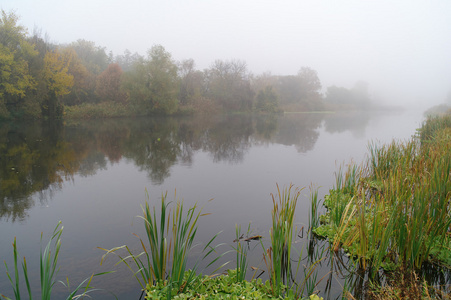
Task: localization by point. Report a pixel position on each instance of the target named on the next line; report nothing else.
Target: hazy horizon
(401, 49)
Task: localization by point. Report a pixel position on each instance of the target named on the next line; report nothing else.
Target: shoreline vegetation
(81, 80)
(391, 216)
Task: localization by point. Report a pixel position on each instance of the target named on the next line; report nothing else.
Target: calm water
(93, 176)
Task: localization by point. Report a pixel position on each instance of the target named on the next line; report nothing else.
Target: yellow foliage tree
(58, 81)
(15, 79)
(57, 78)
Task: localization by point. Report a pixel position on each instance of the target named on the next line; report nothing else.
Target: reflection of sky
(99, 210)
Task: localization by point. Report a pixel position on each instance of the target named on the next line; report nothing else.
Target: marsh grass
(401, 284)
(314, 207)
(433, 125)
(394, 209)
(278, 257)
(316, 255)
(170, 237)
(48, 267)
(241, 253)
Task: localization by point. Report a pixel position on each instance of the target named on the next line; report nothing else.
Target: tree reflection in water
(38, 157)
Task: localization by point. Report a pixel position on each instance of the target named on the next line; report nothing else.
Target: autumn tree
(191, 82)
(32, 103)
(310, 84)
(88, 61)
(153, 83)
(15, 78)
(93, 57)
(261, 81)
(228, 84)
(83, 89)
(267, 100)
(302, 90)
(58, 82)
(109, 84)
(127, 60)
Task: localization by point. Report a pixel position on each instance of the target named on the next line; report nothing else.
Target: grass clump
(394, 209)
(48, 271)
(278, 256)
(170, 237)
(241, 253)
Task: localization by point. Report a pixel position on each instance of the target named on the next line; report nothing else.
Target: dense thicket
(40, 80)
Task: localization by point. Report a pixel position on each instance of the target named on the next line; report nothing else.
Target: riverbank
(392, 212)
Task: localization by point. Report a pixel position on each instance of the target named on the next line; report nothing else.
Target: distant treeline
(39, 79)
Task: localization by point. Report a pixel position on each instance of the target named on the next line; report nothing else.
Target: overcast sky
(402, 48)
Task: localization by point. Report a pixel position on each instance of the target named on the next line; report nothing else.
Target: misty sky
(402, 48)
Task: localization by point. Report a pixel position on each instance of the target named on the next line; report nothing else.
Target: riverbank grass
(394, 209)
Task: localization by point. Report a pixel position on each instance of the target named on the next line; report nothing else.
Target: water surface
(93, 176)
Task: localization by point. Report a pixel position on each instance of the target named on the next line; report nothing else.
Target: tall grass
(394, 209)
(315, 255)
(432, 126)
(241, 254)
(314, 207)
(278, 256)
(170, 237)
(48, 271)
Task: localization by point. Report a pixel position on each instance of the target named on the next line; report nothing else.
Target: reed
(316, 254)
(314, 206)
(431, 126)
(170, 237)
(394, 209)
(278, 256)
(48, 271)
(241, 254)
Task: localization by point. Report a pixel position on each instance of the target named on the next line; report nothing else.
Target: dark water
(93, 176)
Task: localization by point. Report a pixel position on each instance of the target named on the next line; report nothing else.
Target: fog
(401, 48)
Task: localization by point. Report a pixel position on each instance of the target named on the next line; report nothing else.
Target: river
(94, 176)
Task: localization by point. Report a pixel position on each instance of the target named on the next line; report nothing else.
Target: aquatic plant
(48, 270)
(278, 257)
(170, 237)
(314, 206)
(241, 254)
(394, 209)
(432, 126)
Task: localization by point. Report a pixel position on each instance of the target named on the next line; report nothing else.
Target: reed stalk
(48, 271)
(241, 254)
(278, 256)
(314, 206)
(170, 237)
